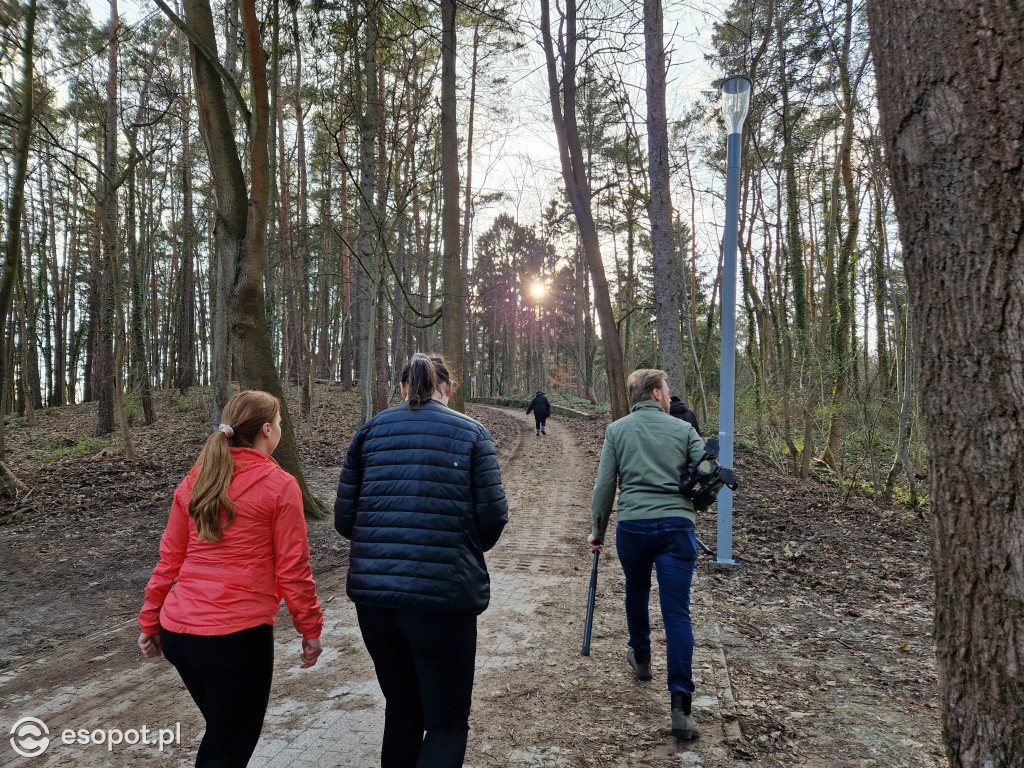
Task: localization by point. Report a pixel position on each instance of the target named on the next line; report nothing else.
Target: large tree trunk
(229, 184)
(253, 361)
(452, 329)
(659, 205)
(951, 98)
(577, 186)
(241, 222)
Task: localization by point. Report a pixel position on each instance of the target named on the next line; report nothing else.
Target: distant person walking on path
(681, 410)
(647, 452)
(541, 410)
(235, 544)
(421, 499)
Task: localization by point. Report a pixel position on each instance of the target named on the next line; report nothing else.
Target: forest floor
(817, 652)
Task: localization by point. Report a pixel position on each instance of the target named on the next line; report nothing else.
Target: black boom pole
(590, 606)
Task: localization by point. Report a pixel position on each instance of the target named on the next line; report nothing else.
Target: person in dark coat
(541, 409)
(421, 500)
(681, 410)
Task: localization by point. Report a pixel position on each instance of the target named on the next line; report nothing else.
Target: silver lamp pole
(735, 104)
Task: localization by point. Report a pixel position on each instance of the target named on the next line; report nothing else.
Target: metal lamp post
(735, 104)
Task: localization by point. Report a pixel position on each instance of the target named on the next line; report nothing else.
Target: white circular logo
(29, 737)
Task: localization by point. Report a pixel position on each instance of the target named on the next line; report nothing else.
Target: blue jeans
(669, 545)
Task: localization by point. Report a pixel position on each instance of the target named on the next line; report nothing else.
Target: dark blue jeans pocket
(681, 538)
(636, 539)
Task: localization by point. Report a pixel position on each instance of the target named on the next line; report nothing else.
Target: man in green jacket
(645, 454)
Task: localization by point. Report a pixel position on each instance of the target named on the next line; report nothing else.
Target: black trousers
(540, 420)
(424, 663)
(229, 678)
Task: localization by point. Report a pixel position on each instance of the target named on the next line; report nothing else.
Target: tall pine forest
(204, 196)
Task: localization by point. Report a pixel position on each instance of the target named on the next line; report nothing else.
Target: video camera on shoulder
(705, 478)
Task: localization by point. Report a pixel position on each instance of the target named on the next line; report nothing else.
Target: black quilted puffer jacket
(420, 497)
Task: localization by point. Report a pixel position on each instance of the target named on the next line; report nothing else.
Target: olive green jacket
(646, 453)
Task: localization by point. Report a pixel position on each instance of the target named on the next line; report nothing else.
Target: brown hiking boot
(684, 724)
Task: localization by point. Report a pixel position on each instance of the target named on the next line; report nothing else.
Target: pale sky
(525, 163)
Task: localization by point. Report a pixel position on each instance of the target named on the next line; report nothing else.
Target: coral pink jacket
(219, 587)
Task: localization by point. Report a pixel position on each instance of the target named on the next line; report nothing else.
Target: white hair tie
(226, 429)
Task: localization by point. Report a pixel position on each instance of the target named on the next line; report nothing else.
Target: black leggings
(424, 664)
(229, 678)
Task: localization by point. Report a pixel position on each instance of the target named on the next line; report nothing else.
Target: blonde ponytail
(243, 418)
(210, 493)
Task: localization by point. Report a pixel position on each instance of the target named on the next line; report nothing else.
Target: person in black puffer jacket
(420, 498)
(541, 410)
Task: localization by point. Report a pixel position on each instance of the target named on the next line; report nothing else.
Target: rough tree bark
(951, 99)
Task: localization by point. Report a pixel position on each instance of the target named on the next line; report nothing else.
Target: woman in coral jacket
(235, 544)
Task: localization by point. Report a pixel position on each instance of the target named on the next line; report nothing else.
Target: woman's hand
(595, 543)
(150, 645)
(311, 650)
